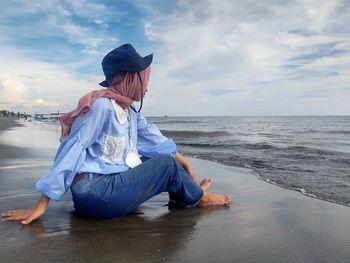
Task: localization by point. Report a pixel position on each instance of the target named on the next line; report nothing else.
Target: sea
(306, 154)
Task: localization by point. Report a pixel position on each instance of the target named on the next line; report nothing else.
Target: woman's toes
(209, 199)
(228, 200)
(205, 184)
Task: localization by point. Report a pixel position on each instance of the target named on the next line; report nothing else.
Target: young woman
(101, 144)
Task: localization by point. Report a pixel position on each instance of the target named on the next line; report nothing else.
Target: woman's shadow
(151, 232)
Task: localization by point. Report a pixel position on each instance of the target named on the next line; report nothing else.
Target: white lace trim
(122, 115)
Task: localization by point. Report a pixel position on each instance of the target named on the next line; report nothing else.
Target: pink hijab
(124, 89)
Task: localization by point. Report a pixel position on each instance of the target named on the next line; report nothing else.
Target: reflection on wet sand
(152, 231)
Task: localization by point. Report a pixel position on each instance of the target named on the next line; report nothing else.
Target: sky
(211, 57)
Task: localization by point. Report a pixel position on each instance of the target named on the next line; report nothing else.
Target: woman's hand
(28, 215)
(187, 166)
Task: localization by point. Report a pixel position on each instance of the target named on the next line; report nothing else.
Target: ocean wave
(173, 121)
(263, 170)
(205, 145)
(345, 132)
(194, 133)
(297, 152)
(259, 146)
(305, 149)
(339, 132)
(226, 145)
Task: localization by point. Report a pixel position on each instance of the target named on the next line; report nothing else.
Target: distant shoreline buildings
(37, 116)
(6, 113)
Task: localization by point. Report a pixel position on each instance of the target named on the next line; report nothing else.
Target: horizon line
(190, 116)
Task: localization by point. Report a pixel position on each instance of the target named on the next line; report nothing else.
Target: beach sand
(264, 223)
(7, 123)
(7, 151)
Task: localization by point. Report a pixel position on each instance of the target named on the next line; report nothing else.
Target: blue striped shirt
(102, 141)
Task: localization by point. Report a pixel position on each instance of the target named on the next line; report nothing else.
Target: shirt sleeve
(72, 152)
(151, 142)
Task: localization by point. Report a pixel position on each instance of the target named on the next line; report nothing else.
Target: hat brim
(146, 62)
(104, 83)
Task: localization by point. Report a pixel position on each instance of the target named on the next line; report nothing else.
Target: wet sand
(264, 223)
(7, 151)
(7, 123)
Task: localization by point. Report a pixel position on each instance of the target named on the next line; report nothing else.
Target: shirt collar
(122, 114)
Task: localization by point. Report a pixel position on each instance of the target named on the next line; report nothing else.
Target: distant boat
(51, 117)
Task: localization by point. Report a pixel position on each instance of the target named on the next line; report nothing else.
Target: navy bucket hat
(123, 58)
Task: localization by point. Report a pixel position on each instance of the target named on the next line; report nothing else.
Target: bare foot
(209, 199)
(205, 184)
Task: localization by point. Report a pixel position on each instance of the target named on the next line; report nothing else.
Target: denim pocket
(99, 189)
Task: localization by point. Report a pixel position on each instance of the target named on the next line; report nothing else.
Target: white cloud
(57, 18)
(113, 40)
(89, 52)
(44, 103)
(219, 57)
(33, 86)
(77, 34)
(98, 21)
(16, 96)
(64, 12)
(211, 56)
(149, 32)
(13, 92)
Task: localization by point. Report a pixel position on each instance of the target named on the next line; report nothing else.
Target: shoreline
(8, 123)
(264, 223)
(297, 190)
(9, 151)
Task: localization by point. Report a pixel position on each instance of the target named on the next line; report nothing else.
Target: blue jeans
(114, 195)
